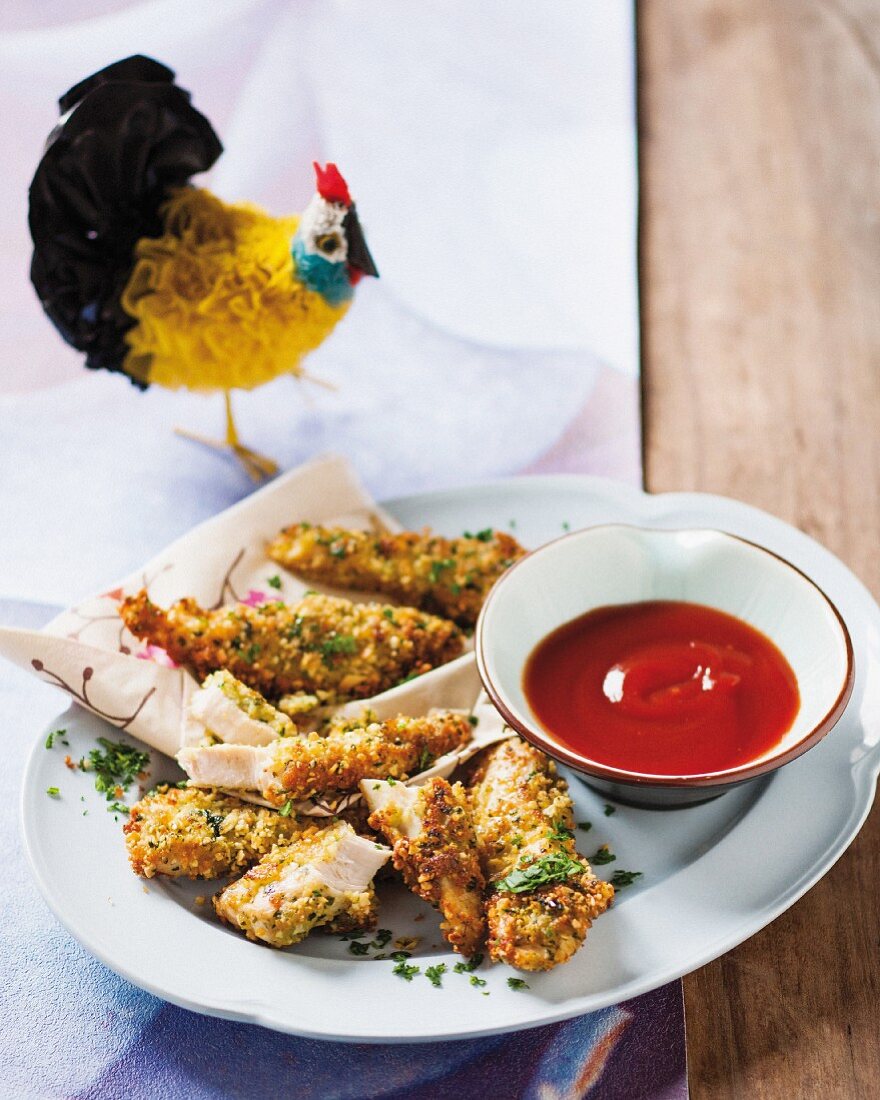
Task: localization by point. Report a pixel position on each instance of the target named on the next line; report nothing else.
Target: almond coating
(432, 837)
(522, 813)
(449, 577)
(323, 645)
(194, 833)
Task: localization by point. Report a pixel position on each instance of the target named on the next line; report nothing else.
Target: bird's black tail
(127, 135)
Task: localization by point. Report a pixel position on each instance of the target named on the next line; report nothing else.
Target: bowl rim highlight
(541, 738)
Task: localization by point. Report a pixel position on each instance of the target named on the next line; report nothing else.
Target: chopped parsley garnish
(438, 566)
(624, 878)
(251, 653)
(566, 526)
(383, 937)
(474, 720)
(215, 821)
(401, 956)
(357, 948)
(481, 536)
(53, 792)
(602, 855)
(274, 582)
(182, 785)
(389, 614)
(60, 734)
(286, 808)
(424, 759)
(118, 808)
(609, 809)
(554, 867)
(337, 550)
(517, 983)
(405, 971)
(560, 832)
(434, 974)
(115, 768)
(477, 981)
(466, 967)
(337, 644)
(585, 826)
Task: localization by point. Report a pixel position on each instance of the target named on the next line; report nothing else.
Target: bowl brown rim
(540, 739)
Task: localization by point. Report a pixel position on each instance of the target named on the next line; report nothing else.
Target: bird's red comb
(331, 185)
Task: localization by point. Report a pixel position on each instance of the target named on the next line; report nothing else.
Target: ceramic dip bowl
(617, 564)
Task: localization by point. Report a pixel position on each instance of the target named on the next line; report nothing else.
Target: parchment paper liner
(88, 653)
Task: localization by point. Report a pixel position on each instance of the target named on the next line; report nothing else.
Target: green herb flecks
(274, 582)
(467, 967)
(438, 566)
(620, 879)
(337, 645)
(477, 981)
(116, 766)
(560, 833)
(53, 792)
(358, 948)
(434, 974)
(602, 855)
(517, 983)
(554, 867)
(57, 735)
(481, 536)
(286, 808)
(215, 821)
(609, 809)
(404, 970)
(585, 826)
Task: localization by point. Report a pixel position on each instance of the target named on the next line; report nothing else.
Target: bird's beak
(358, 254)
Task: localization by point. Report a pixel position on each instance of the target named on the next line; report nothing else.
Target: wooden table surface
(760, 163)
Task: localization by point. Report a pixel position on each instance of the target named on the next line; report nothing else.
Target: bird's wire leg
(258, 467)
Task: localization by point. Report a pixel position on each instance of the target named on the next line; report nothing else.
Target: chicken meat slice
(432, 837)
(543, 896)
(322, 646)
(297, 768)
(224, 709)
(196, 833)
(323, 878)
(450, 577)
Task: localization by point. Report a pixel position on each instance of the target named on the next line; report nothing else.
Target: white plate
(712, 874)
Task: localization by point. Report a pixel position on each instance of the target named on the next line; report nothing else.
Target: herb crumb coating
(543, 895)
(192, 833)
(323, 645)
(323, 878)
(298, 768)
(449, 577)
(432, 835)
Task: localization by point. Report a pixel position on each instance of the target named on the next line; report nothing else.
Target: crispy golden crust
(322, 645)
(286, 895)
(522, 812)
(318, 765)
(195, 833)
(450, 577)
(440, 864)
(540, 930)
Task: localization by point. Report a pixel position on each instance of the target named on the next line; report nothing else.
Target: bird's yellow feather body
(217, 301)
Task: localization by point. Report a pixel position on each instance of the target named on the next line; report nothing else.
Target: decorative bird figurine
(163, 281)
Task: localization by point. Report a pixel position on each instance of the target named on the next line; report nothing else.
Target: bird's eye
(328, 242)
